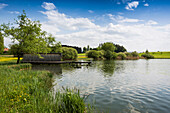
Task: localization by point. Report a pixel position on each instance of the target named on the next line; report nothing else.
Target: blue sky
(136, 24)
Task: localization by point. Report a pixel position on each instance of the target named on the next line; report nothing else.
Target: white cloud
(13, 12)
(82, 32)
(90, 11)
(121, 19)
(63, 22)
(2, 5)
(48, 6)
(151, 22)
(146, 4)
(130, 20)
(132, 5)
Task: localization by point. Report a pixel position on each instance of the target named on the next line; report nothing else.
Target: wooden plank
(55, 62)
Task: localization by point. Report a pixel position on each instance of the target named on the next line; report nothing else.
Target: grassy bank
(159, 55)
(24, 90)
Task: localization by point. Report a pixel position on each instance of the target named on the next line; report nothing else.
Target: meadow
(159, 55)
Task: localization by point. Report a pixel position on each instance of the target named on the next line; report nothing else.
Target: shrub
(147, 56)
(135, 54)
(121, 55)
(128, 54)
(101, 54)
(114, 55)
(69, 53)
(93, 54)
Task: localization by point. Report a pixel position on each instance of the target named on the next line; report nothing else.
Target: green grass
(82, 56)
(31, 91)
(161, 55)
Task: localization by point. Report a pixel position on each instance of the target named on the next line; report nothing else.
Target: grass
(31, 91)
(160, 55)
(82, 56)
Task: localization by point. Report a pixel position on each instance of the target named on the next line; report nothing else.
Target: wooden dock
(57, 62)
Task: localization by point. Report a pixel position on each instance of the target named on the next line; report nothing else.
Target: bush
(93, 54)
(135, 54)
(114, 55)
(101, 54)
(69, 53)
(128, 54)
(147, 56)
(121, 55)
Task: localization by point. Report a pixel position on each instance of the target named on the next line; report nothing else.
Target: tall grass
(31, 91)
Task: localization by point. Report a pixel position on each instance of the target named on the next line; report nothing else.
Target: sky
(136, 24)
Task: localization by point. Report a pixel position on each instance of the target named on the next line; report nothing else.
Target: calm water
(121, 86)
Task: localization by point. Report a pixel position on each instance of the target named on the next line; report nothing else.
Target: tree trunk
(18, 59)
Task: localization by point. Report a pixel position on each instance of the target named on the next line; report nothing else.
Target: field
(160, 55)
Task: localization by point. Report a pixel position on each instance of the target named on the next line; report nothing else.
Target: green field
(161, 55)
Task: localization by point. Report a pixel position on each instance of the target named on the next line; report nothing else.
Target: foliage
(114, 55)
(1, 43)
(56, 48)
(108, 55)
(121, 55)
(69, 53)
(28, 34)
(84, 49)
(108, 46)
(128, 54)
(135, 54)
(30, 91)
(147, 56)
(119, 48)
(147, 52)
(101, 54)
(93, 54)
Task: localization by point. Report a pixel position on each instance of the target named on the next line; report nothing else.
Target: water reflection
(121, 86)
(108, 67)
(55, 69)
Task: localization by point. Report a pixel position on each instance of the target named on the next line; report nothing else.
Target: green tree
(1, 43)
(147, 52)
(84, 49)
(108, 55)
(108, 46)
(135, 54)
(28, 36)
(119, 48)
(56, 48)
(88, 47)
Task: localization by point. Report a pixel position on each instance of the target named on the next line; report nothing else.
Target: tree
(119, 48)
(108, 46)
(84, 49)
(88, 47)
(28, 36)
(1, 43)
(56, 48)
(135, 54)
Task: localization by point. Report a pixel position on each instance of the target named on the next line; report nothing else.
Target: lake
(119, 86)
